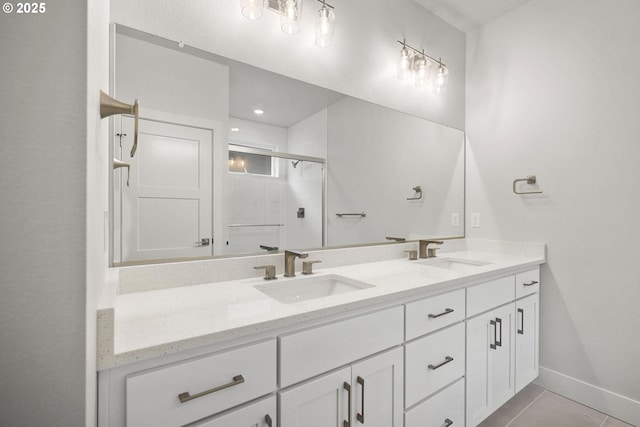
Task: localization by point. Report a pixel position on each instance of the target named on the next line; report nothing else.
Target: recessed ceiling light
(258, 112)
(235, 129)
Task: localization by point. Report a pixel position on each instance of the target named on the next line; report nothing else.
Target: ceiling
(467, 15)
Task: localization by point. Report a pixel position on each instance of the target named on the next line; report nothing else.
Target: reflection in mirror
(213, 177)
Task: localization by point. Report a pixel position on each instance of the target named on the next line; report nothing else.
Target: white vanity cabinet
(449, 359)
(502, 341)
(367, 393)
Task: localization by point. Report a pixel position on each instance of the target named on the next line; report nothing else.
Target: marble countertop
(148, 324)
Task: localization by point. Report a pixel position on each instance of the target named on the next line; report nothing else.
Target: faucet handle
(307, 266)
(413, 254)
(431, 252)
(269, 271)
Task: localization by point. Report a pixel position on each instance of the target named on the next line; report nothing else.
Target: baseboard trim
(616, 405)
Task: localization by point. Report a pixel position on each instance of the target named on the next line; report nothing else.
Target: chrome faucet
(290, 262)
(423, 247)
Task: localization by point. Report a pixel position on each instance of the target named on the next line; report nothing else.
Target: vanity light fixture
(252, 9)
(290, 12)
(426, 70)
(325, 24)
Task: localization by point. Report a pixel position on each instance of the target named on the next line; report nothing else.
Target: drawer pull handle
(446, 360)
(185, 397)
(360, 417)
(533, 282)
(446, 311)
(521, 329)
(267, 419)
(447, 422)
(347, 386)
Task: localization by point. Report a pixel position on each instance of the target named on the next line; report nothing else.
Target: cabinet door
(527, 322)
(322, 402)
(502, 358)
(259, 414)
(377, 390)
(490, 362)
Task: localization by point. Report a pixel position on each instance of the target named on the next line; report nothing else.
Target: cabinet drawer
(433, 313)
(259, 414)
(527, 283)
(444, 409)
(317, 350)
(486, 296)
(433, 362)
(233, 377)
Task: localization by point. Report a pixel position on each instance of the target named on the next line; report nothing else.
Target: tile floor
(536, 407)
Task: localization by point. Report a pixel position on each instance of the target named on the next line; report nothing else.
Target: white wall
(361, 62)
(43, 258)
(553, 90)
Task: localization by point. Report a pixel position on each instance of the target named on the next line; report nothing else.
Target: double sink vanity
(370, 338)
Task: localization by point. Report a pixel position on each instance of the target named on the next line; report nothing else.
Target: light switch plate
(475, 220)
(455, 219)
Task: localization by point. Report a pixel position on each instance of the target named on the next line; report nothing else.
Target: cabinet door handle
(446, 311)
(521, 329)
(360, 417)
(185, 397)
(533, 282)
(495, 334)
(499, 322)
(267, 419)
(347, 422)
(446, 360)
(447, 422)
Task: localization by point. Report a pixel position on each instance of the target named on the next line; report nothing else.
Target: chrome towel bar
(361, 214)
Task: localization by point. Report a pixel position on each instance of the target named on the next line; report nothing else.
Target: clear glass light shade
(440, 79)
(290, 13)
(404, 64)
(422, 70)
(325, 26)
(252, 9)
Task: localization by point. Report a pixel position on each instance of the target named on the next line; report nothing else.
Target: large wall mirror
(236, 160)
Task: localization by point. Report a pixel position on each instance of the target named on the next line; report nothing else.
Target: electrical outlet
(475, 220)
(455, 219)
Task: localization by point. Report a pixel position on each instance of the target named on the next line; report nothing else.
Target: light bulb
(325, 26)
(404, 65)
(290, 15)
(252, 9)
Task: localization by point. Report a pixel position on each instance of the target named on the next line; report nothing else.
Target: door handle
(360, 417)
(268, 421)
(347, 422)
(447, 422)
(499, 322)
(521, 329)
(495, 334)
(204, 242)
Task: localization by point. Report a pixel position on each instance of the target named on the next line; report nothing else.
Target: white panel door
(166, 209)
(322, 402)
(527, 322)
(377, 391)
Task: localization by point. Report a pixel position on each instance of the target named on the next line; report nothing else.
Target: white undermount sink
(456, 264)
(306, 288)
